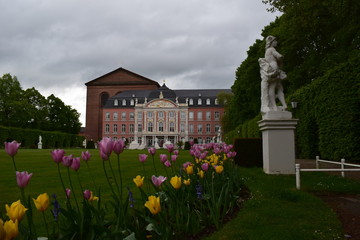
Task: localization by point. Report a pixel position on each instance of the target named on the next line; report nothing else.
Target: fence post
(297, 172)
(342, 167)
(317, 162)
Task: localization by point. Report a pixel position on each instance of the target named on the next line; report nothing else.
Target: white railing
(342, 169)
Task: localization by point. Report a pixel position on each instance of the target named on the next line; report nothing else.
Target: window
(150, 127)
(107, 128)
(131, 139)
(182, 127)
(123, 116)
(199, 116)
(107, 116)
(208, 139)
(132, 102)
(161, 114)
(139, 140)
(116, 102)
(139, 127)
(208, 115)
(191, 128)
(216, 101)
(208, 101)
(139, 115)
(161, 126)
(200, 141)
(172, 127)
(132, 115)
(115, 116)
(150, 114)
(123, 128)
(199, 128)
(115, 128)
(124, 102)
(191, 115)
(171, 114)
(217, 115)
(208, 128)
(199, 101)
(182, 115)
(217, 127)
(191, 101)
(191, 138)
(131, 128)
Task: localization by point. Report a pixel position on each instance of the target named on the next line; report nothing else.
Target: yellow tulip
(176, 182)
(201, 173)
(93, 197)
(42, 202)
(11, 229)
(189, 169)
(187, 182)
(2, 230)
(153, 204)
(219, 169)
(139, 181)
(16, 211)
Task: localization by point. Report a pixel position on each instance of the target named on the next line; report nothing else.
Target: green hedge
(248, 129)
(29, 138)
(329, 114)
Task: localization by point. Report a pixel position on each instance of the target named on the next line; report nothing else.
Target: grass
(276, 210)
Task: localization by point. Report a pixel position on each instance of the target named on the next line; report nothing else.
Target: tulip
(170, 147)
(191, 142)
(176, 182)
(219, 169)
(139, 181)
(203, 155)
(88, 195)
(23, 178)
(16, 211)
(157, 181)
(167, 163)
(2, 230)
(11, 229)
(106, 146)
(42, 202)
(176, 152)
(163, 158)
(67, 160)
(205, 166)
(11, 148)
(201, 174)
(118, 146)
(187, 182)
(185, 165)
(104, 156)
(189, 169)
(85, 156)
(152, 151)
(153, 204)
(68, 193)
(142, 157)
(57, 155)
(75, 164)
(174, 157)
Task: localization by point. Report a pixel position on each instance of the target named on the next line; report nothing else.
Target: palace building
(123, 104)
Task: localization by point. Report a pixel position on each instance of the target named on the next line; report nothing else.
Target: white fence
(342, 169)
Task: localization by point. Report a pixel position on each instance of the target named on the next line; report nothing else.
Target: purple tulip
(167, 163)
(163, 158)
(75, 164)
(68, 193)
(170, 147)
(118, 146)
(191, 142)
(217, 150)
(205, 167)
(176, 152)
(57, 155)
(142, 157)
(11, 148)
(157, 181)
(203, 155)
(174, 157)
(67, 160)
(23, 178)
(231, 154)
(104, 156)
(152, 151)
(85, 156)
(87, 194)
(185, 165)
(106, 146)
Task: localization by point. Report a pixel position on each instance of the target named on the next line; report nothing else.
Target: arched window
(172, 127)
(161, 126)
(116, 102)
(208, 101)
(216, 101)
(191, 101)
(124, 102)
(199, 101)
(132, 102)
(103, 98)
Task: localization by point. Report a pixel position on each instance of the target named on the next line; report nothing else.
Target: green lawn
(276, 210)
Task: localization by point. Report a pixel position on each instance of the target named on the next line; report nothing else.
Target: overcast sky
(57, 46)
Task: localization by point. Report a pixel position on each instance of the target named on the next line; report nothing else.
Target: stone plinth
(278, 139)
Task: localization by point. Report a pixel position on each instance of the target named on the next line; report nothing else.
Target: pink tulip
(106, 146)
(85, 156)
(205, 167)
(174, 157)
(170, 147)
(152, 151)
(142, 157)
(87, 194)
(75, 164)
(67, 160)
(231, 154)
(104, 156)
(163, 158)
(167, 163)
(23, 178)
(57, 155)
(176, 152)
(157, 181)
(203, 155)
(191, 142)
(185, 165)
(68, 193)
(11, 148)
(118, 146)
(217, 150)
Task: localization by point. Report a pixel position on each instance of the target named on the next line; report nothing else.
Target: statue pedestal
(39, 145)
(278, 137)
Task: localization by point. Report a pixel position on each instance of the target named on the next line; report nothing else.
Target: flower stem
(119, 170)
(107, 178)
(13, 160)
(62, 182)
(116, 182)
(72, 188)
(90, 173)
(46, 225)
(154, 164)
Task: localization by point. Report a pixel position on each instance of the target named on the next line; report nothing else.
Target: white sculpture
(40, 142)
(271, 77)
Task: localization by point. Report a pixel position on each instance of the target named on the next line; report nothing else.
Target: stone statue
(271, 77)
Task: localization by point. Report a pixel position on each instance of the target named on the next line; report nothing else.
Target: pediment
(161, 103)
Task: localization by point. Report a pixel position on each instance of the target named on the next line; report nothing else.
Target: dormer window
(216, 101)
(132, 102)
(199, 101)
(116, 102)
(199, 94)
(208, 101)
(133, 95)
(191, 101)
(124, 102)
